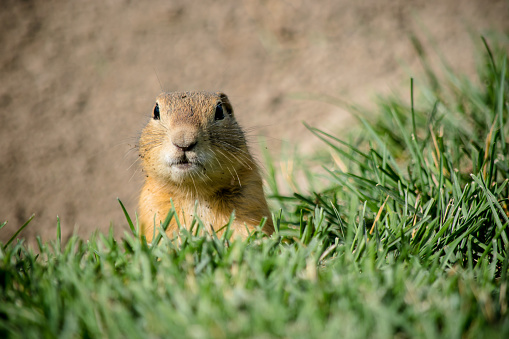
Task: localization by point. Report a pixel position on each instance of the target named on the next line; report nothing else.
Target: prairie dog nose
(185, 140)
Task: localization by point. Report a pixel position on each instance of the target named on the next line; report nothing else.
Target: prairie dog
(193, 149)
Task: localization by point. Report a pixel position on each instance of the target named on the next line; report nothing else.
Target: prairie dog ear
(226, 103)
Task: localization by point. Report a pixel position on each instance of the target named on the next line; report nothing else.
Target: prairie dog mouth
(184, 164)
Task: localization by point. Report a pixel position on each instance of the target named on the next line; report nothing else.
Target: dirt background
(78, 81)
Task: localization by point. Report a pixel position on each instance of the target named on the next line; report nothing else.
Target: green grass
(405, 235)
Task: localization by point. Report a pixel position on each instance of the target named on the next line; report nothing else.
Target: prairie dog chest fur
(193, 149)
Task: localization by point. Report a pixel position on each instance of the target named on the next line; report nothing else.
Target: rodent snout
(184, 140)
(185, 147)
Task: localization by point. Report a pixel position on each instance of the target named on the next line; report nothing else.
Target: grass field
(405, 235)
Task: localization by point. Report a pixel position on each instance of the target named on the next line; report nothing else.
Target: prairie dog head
(193, 137)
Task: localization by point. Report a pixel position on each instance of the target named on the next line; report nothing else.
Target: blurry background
(78, 81)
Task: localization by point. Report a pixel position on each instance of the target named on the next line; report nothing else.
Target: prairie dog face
(192, 137)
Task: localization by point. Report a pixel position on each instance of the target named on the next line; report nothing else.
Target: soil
(78, 81)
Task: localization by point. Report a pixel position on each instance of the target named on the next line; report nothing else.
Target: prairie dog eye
(219, 112)
(155, 113)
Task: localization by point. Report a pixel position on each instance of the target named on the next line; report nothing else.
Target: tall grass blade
(11, 239)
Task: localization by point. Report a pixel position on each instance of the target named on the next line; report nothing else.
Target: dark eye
(155, 114)
(219, 112)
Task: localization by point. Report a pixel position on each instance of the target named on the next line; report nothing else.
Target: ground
(78, 81)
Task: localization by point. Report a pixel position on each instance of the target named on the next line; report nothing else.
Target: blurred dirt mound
(78, 81)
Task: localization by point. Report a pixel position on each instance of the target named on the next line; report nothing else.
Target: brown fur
(190, 156)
